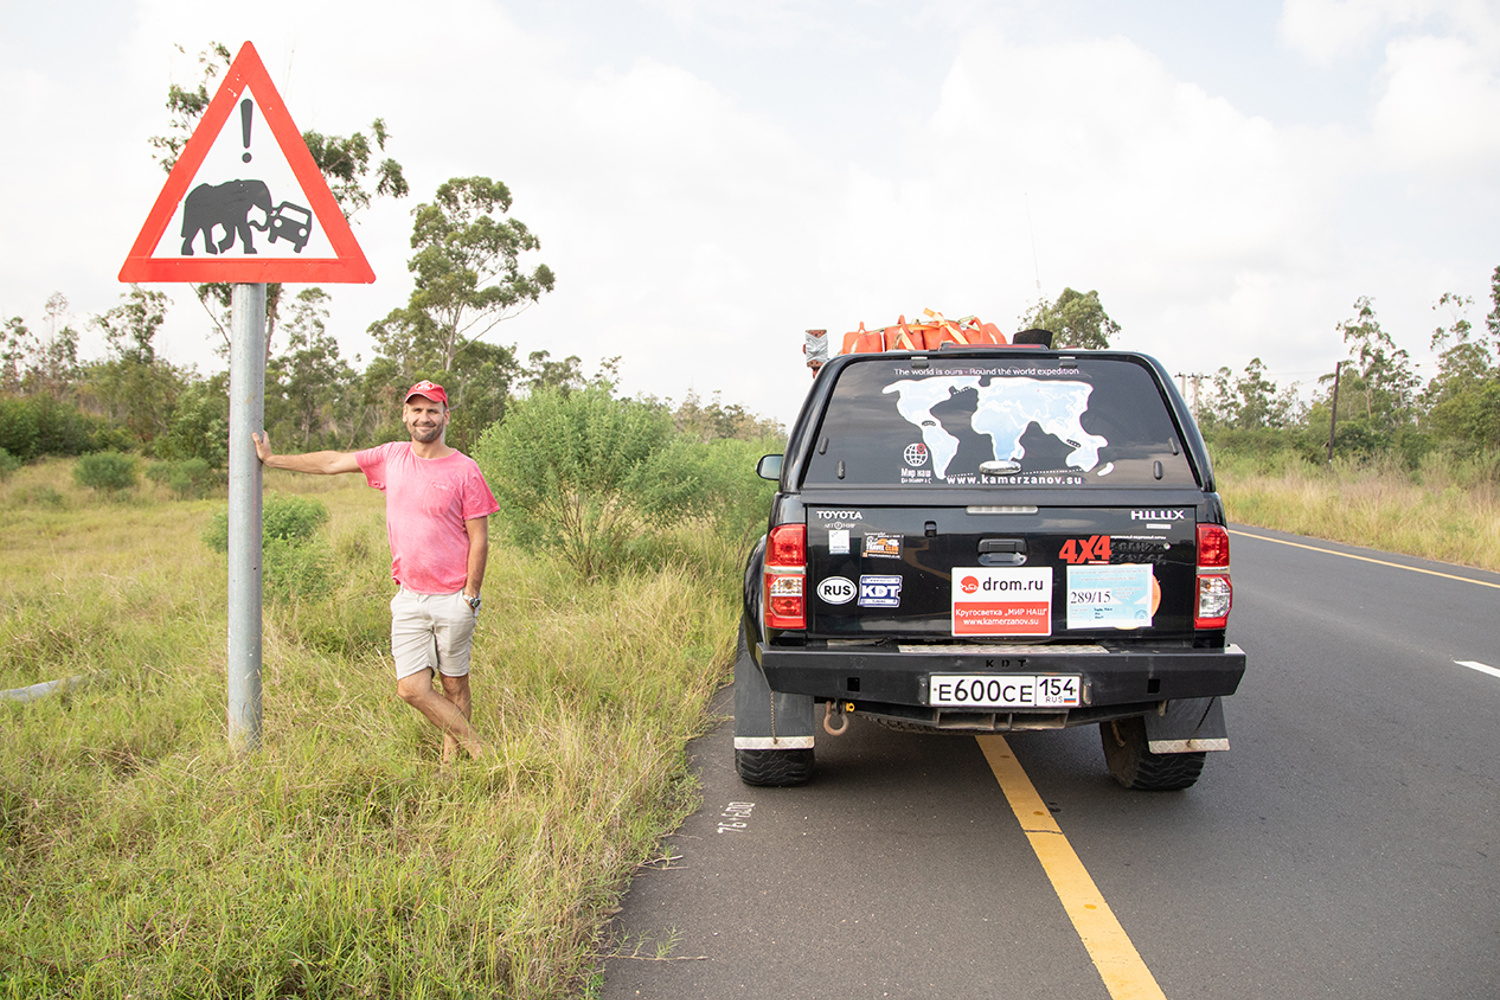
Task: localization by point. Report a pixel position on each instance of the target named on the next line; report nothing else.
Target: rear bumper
(894, 680)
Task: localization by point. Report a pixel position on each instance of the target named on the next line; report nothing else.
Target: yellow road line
(1378, 562)
(1119, 964)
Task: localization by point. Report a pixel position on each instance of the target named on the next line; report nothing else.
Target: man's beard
(425, 435)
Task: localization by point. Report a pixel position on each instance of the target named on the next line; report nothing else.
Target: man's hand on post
(262, 445)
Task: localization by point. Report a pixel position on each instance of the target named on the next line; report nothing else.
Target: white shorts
(431, 632)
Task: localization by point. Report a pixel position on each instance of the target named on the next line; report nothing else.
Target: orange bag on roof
(928, 336)
(863, 341)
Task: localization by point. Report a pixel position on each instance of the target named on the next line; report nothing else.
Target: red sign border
(349, 267)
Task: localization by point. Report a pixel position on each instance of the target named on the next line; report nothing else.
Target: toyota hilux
(990, 539)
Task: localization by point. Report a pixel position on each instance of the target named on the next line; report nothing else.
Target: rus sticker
(883, 545)
(837, 590)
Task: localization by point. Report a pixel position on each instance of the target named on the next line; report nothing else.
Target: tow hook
(843, 710)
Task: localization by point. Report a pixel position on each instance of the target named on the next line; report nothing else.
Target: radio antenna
(1035, 264)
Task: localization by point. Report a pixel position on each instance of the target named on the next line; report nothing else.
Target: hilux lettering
(1158, 515)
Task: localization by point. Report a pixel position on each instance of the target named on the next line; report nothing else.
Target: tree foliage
(1075, 320)
(469, 275)
(1463, 400)
(132, 386)
(581, 473)
(1250, 402)
(1382, 405)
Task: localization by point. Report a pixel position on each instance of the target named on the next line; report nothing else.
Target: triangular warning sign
(245, 201)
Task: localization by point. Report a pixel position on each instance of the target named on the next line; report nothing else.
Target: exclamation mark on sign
(247, 108)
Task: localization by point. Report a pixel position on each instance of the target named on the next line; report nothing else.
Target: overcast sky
(709, 178)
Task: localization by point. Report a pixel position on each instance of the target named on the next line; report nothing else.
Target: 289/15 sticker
(1004, 691)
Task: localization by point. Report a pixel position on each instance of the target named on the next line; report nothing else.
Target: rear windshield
(1084, 422)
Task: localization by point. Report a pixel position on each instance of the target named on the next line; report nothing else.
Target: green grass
(1448, 509)
(139, 856)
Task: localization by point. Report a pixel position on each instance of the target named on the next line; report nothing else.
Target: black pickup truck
(990, 539)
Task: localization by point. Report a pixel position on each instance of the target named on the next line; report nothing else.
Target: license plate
(1004, 691)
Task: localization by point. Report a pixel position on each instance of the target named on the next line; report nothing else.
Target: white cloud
(701, 212)
(1327, 30)
(1439, 110)
(1178, 208)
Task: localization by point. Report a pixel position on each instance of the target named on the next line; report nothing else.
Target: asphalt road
(1346, 846)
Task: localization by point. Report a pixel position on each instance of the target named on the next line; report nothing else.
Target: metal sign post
(247, 408)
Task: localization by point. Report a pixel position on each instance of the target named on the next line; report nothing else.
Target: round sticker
(915, 454)
(837, 590)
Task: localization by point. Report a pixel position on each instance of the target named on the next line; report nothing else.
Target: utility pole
(1191, 396)
(1333, 417)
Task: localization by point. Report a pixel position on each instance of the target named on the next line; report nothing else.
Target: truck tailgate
(1001, 574)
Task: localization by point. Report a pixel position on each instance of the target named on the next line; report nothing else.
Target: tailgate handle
(1002, 551)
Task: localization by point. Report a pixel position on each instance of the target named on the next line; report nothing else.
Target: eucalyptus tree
(1381, 379)
(1463, 398)
(1075, 319)
(468, 268)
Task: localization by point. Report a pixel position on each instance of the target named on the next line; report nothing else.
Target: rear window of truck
(1098, 422)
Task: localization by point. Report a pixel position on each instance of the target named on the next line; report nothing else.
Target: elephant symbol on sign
(227, 205)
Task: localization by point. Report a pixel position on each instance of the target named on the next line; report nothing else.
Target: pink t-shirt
(427, 501)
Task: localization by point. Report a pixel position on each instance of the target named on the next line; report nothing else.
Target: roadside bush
(298, 570)
(189, 478)
(32, 426)
(199, 427)
(295, 564)
(18, 427)
(8, 463)
(283, 517)
(742, 500)
(106, 471)
(581, 474)
(45, 497)
(292, 518)
(63, 429)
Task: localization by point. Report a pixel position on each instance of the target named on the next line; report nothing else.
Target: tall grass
(1448, 509)
(139, 856)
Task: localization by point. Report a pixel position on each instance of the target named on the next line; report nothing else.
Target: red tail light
(1215, 594)
(786, 577)
(1213, 546)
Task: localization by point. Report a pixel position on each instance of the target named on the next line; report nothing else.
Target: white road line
(1483, 668)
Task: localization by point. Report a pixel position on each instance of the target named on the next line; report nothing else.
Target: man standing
(437, 506)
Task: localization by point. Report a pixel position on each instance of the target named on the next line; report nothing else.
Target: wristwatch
(473, 601)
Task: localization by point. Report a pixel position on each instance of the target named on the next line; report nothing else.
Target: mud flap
(765, 720)
(1188, 725)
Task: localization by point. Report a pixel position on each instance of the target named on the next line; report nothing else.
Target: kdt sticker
(877, 591)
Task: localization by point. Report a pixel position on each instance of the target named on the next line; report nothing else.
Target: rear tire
(1133, 765)
(775, 768)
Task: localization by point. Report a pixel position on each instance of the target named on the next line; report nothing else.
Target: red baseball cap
(431, 390)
